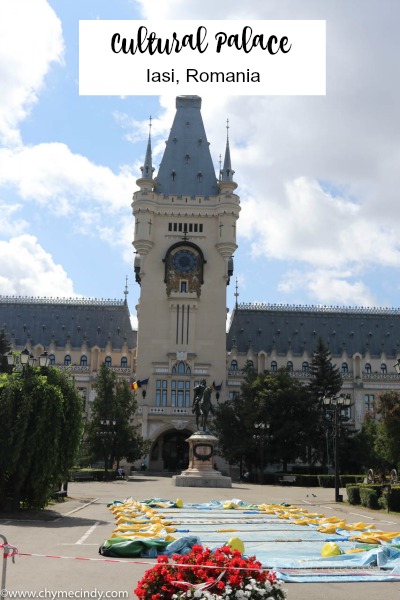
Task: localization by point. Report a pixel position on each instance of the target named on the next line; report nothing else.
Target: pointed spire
(186, 168)
(148, 169)
(236, 294)
(226, 173)
(126, 292)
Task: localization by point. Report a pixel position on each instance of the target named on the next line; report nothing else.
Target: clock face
(184, 261)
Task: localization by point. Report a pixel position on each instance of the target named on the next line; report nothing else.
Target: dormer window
(199, 176)
(187, 158)
(173, 175)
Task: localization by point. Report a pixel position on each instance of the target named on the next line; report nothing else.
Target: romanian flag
(134, 386)
(141, 382)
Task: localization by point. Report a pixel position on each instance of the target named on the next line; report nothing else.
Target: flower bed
(207, 575)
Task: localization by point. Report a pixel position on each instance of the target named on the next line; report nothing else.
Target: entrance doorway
(171, 451)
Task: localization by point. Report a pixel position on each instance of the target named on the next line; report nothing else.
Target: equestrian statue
(202, 405)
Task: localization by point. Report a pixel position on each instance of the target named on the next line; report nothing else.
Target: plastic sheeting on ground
(284, 537)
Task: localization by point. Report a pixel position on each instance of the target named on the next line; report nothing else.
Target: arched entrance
(170, 452)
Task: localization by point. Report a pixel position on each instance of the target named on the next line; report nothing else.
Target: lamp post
(336, 405)
(262, 430)
(25, 358)
(107, 436)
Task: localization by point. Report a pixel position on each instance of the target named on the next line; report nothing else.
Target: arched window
(383, 368)
(250, 364)
(181, 368)
(67, 359)
(52, 359)
(274, 366)
(345, 368)
(234, 365)
(305, 367)
(124, 362)
(289, 366)
(367, 368)
(83, 360)
(107, 362)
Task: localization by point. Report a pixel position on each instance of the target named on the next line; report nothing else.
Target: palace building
(185, 220)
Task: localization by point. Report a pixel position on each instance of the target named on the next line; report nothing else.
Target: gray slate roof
(186, 167)
(299, 327)
(43, 320)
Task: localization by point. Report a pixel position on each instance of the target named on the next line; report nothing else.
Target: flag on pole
(141, 382)
(217, 387)
(134, 385)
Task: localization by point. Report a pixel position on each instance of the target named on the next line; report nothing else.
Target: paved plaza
(75, 529)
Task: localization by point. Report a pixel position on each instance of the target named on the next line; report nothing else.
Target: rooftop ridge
(318, 308)
(58, 300)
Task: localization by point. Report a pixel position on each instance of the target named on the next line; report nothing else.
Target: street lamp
(336, 405)
(262, 430)
(25, 358)
(107, 437)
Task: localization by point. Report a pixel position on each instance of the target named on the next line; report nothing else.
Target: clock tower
(184, 236)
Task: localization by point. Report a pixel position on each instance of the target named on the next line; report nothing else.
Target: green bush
(369, 496)
(353, 494)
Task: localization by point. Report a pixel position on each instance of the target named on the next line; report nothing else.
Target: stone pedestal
(201, 471)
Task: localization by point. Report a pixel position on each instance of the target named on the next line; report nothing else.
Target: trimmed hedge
(353, 494)
(369, 496)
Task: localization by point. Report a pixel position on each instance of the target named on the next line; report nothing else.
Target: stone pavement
(87, 507)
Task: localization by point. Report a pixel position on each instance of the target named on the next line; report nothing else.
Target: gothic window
(52, 359)
(108, 361)
(383, 369)
(124, 362)
(274, 366)
(83, 360)
(183, 286)
(367, 368)
(180, 394)
(250, 364)
(234, 365)
(345, 368)
(161, 392)
(289, 366)
(305, 367)
(67, 359)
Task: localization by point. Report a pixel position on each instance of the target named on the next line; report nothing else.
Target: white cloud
(28, 270)
(51, 174)
(307, 224)
(31, 39)
(328, 286)
(8, 224)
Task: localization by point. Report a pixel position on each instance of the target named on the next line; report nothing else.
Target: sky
(318, 176)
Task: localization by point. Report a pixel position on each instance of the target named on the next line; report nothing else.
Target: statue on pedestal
(202, 405)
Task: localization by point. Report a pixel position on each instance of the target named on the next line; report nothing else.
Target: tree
(4, 348)
(271, 420)
(41, 417)
(325, 382)
(388, 436)
(110, 433)
(325, 378)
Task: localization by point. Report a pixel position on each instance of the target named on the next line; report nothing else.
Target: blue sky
(318, 176)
